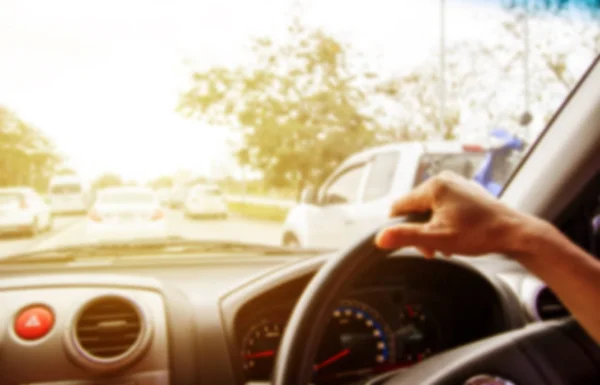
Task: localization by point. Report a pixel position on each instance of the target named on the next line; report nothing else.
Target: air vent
(109, 332)
(548, 306)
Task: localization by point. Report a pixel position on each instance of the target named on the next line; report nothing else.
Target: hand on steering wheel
(457, 217)
(465, 219)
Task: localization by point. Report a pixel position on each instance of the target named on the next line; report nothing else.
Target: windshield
(266, 121)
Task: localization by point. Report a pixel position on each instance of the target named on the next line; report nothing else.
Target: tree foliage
(301, 108)
(107, 180)
(551, 5)
(27, 157)
(65, 170)
(486, 83)
(164, 181)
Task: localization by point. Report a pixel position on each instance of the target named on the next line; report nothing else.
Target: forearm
(572, 273)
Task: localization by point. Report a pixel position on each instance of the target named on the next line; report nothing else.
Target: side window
(381, 176)
(504, 163)
(344, 188)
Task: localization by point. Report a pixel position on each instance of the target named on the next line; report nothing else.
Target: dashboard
(400, 313)
(186, 320)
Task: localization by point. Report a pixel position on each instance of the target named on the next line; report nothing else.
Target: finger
(427, 252)
(417, 201)
(408, 234)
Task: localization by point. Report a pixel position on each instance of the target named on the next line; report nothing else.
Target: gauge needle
(266, 353)
(332, 359)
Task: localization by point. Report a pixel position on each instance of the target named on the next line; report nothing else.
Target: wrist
(531, 238)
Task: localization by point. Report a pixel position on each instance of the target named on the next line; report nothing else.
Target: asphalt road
(69, 230)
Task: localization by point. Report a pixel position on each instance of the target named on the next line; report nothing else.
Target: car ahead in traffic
(23, 210)
(125, 213)
(205, 201)
(164, 193)
(67, 195)
(178, 195)
(358, 194)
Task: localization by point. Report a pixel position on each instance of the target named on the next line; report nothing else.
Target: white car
(67, 195)
(125, 213)
(164, 193)
(205, 200)
(357, 196)
(23, 210)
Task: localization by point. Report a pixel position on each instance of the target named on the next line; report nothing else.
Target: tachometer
(259, 347)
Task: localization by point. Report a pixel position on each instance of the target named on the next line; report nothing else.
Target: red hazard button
(34, 322)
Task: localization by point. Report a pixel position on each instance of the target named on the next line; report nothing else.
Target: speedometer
(357, 341)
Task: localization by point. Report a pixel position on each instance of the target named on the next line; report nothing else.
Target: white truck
(356, 198)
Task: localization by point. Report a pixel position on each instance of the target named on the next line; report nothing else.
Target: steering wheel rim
(294, 366)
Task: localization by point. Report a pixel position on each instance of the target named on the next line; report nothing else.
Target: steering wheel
(557, 352)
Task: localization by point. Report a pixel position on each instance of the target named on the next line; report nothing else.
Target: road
(70, 230)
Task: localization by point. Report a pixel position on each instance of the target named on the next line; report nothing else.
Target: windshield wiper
(169, 245)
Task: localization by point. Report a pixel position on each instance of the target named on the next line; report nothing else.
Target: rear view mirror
(308, 195)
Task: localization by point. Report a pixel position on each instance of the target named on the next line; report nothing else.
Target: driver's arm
(467, 220)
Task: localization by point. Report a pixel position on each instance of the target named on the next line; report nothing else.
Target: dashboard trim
(80, 280)
(530, 291)
(175, 344)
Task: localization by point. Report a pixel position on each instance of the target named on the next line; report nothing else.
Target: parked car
(126, 213)
(67, 195)
(205, 201)
(23, 210)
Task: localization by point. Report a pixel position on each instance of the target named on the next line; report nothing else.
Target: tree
(485, 83)
(301, 109)
(107, 180)
(552, 52)
(164, 181)
(27, 157)
(66, 171)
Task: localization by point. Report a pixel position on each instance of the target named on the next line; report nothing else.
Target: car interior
(276, 316)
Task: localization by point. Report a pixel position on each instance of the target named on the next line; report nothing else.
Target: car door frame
(337, 233)
(373, 213)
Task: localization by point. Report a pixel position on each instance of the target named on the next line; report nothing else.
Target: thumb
(406, 234)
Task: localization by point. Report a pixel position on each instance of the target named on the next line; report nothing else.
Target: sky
(102, 78)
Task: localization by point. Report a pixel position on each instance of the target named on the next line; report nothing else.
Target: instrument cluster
(370, 332)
